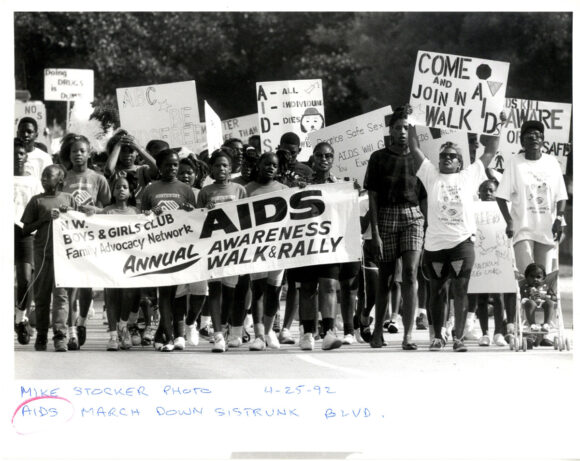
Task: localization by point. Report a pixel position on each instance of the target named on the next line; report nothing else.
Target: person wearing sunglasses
(449, 240)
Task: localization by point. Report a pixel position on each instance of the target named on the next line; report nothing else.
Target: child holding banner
(222, 190)
(38, 216)
(91, 192)
(164, 195)
(25, 187)
(266, 286)
(449, 240)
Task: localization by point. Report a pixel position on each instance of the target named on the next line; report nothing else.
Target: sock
(133, 317)
(81, 321)
(248, 321)
(224, 327)
(236, 332)
(72, 332)
(204, 321)
(122, 324)
(113, 335)
(470, 317)
(423, 311)
(20, 316)
(327, 324)
(259, 330)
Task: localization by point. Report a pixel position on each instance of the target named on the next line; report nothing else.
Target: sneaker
(179, 343)
(157, 346)
(437, 344)
(135, 336)
(421, 322)
(459, 346)
(206, 333)
(358, 336)
(272, 340)
(113, 344)
(82, 335)
(330, 341)
(499, 340)
(484, 341)
(391, 327)
(60, 342)
(125, 338)
(246, 338)
(191, 335)
(73, 344)
(534, 327)
(470, 331)
(306, 342)
(235, 341)
(348, 339)
(40, 342)
(257, 344)
(219, 343)
(147, 336)
(167, 347)
(285, 337)
(23, 333)
(545, 328)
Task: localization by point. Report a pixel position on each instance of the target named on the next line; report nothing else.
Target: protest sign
(168, 112)
(293, 105)
(458, 92)
(284, 229)
(431, 140)
(556, 118)
(240, 127)
(493, 271)
(213, 126)
(35, 110)
(353, 141)
(68, 84)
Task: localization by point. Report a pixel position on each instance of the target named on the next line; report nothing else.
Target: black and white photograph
(350, 232)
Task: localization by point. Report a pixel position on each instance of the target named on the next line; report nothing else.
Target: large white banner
(213, 126)
(353, 141)
(290, 228)
(69, 84)
(556, 118)
(493, 271)
(168, 112)
(293, 105)
(458, 92)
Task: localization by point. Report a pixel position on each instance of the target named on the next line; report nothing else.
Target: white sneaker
(285, 337)
(257, 344)
(219, 343)
(125, 338)
(157, 346)
(348, 339)
(330, 341)
(546, 328)
(234, 341)
(358, 337)
(306, 342)
(499, 340)
(484, 341)
(167, 347)
(470, 331)
(534, 327)
(179, 343)
(272, 340)
(191, 335)
(113, 344)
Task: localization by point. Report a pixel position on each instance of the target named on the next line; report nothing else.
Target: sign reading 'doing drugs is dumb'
(278, 230)
(68, 84)
(493, 270)
(556, 119)
(167, 111)
(353, 141)
(458, 92)
(293, 105)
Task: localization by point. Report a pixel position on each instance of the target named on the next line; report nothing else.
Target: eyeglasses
(533, 135)
(451, 155)
(321, 155)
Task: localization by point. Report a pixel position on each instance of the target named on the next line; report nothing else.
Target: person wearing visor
(533, 183)
(449, 240)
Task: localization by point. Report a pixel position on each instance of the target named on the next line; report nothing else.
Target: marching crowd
(418, 242)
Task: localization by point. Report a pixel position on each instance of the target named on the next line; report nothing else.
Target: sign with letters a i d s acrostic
(168, 112)
(292, 105)
(458, 92)
(278, 230)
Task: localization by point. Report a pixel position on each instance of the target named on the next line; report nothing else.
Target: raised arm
(509, 230)
(491, 143)
(147, 157)
(112, 160)
(416, 152)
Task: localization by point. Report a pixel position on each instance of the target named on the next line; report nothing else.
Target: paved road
(355, 361)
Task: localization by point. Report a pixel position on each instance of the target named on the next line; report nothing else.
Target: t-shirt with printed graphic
(220, 193)
(450, 208)
(87, 188)
(169, 196)
(255, 188)
(533, 187)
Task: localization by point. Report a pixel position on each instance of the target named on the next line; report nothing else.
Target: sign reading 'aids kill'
(458, 92)
(556, 118)
(292, 105)
(168, 112)
(353, 141)
(68, 84)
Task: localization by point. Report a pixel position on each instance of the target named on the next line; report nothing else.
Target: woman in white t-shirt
(449, 250)
(534, 185)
